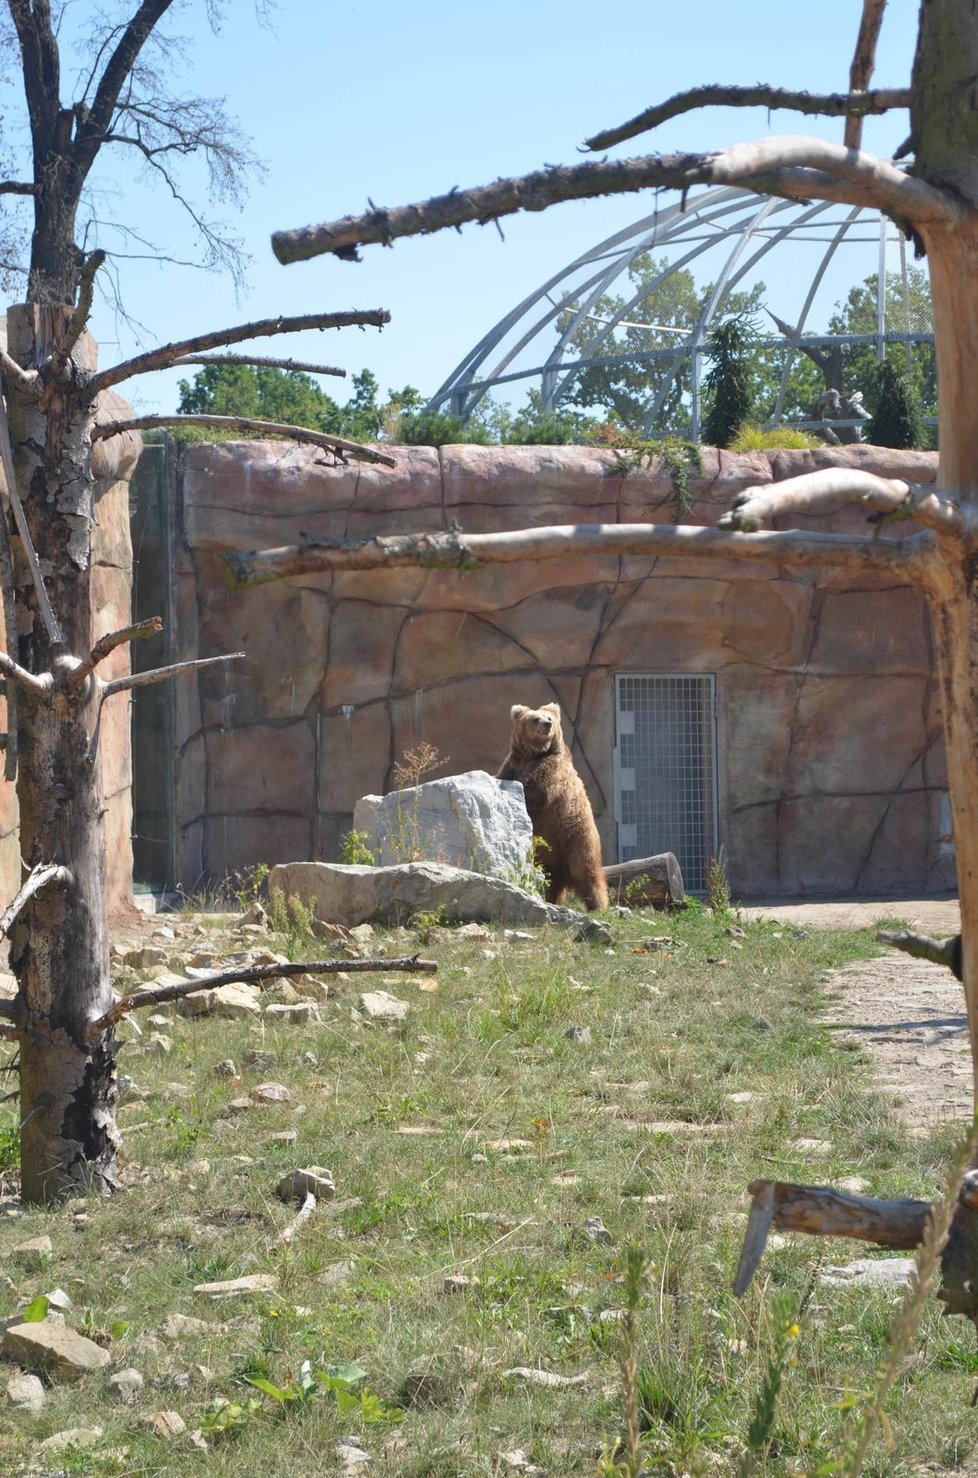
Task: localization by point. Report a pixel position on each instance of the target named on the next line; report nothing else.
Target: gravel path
(908, 1014)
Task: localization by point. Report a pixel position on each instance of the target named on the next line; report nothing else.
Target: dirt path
(907, 1013)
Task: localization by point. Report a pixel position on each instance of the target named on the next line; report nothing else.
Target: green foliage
(755, 439)
(896, 421)
(292, 918)
(440, 428)
(339, 1382)
(10, 1147)
(728, 383)
(681, 458)
(717, 886)
(355, 851)
(36, 1311)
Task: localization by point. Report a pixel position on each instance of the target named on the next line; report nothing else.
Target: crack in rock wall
(829, 746)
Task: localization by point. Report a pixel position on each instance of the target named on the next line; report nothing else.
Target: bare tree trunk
(59, 949)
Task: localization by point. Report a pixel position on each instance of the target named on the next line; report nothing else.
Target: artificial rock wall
(830, 758)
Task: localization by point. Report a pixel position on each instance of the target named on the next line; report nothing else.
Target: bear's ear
(553, 708)
(517, 711)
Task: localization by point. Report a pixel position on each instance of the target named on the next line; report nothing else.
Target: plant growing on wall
(935, 202)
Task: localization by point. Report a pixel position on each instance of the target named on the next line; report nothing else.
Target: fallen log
(824, 1212)
(656, 880)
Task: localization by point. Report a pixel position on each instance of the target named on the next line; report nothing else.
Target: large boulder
(471, 821)
(351, 895)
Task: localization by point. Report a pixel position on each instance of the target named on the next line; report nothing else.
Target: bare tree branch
(79, 318)
(108, 643)
(27, 381)
(301, 434)
(42, 876)
(815, 493)
(829, 105)
(863, 63)
(306, 1210)
(455, 550)
(939, 951)
(162, 674)
(789, 167)
(13, 672)
(249, 973)
(297, 366)
(17, 187)
(118, 69)
(168, 354)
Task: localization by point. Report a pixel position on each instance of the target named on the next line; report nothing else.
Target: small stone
(125, 1386)
(362, 933)
(580, 1034)
(299, 1013)
(238, 1287)
(379, 1005)
(199, 1167)
(460, 1283)
(53, 1348)
(185, 1326)
(337, 1274)
(145, 958)
(168, 1424)
(517, 934)
(478, 1159)
(71, 1437)
(33, 1254)
(298, 1184)
(734, 931)
(128, 1090)
(550, 1378)
(812, 1146)
(287, 1136)
(872, 1272)
(595, 1230)
(160, 1019)
(25, 1391)
(746, 1096)
(158, 1045)
(352, 1456)
(270, 1093)
(226, 1069)
(260, 1060)
(240, 1105)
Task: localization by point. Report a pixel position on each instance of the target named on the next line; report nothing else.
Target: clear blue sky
(347, 100)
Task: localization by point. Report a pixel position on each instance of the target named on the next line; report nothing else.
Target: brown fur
(558, 805)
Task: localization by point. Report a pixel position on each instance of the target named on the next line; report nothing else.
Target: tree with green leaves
(896, 420)
(727, 384)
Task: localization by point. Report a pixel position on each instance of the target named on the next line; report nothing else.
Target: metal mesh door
(665, 770)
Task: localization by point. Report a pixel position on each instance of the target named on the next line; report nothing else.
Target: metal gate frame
(695, 871)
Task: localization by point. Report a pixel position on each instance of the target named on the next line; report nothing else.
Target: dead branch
(793, 168)
(855, 104)
(38, 686)
(27, 381)
(292, 365)
(863, 63)
(108, 643)
(17, 187)
(42, 876)
(162, 674)
(79, 318)
(251, 973)
(945, 952)
(817, 493)
(455, 550)
(13, 495)
(305, 1211)
(301, 434)
(165, 356)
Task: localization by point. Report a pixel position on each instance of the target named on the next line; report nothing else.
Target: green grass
(526, 1133)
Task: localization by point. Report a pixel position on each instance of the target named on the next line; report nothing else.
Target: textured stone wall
(831, 769)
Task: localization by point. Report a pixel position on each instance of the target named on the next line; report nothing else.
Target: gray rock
(226, 1069)
(871, 1272)
(254, 1283)
(298, 1184)
(471, 821)
(298, 1012)
(270, 1093)
(185, 1326)
(125, 1386)
(53, 1348)
(350, 895)
(595, 1230)
(258, 1059)
(234, 1002)
(380, 1005)
(71, 1437)
(25, 1391)
(33, 1254)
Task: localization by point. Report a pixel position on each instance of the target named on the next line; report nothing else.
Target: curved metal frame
(601, 266)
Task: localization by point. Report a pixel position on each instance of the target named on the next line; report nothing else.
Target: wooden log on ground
(824, 1212)
(656, 880)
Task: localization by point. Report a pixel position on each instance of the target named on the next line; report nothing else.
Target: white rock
(25, 1391)
(471, 820)
(379, 1005)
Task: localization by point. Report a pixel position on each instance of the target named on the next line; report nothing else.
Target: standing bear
(558, 805)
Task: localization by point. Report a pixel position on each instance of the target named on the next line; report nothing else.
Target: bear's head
(536, 730)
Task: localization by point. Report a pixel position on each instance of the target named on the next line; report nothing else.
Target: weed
(292, 918)
(425, 923)
(717, 886)
(756, 439)
(355, 851)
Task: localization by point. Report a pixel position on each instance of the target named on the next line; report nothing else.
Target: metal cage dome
(609, 310)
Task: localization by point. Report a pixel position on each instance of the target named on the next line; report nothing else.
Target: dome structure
(626, 326)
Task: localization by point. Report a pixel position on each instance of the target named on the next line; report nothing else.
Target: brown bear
(558, 805)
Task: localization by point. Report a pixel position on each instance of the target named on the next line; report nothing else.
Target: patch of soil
(908, 1014)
